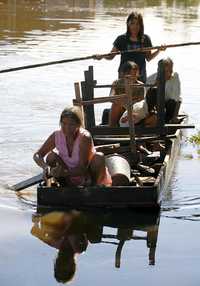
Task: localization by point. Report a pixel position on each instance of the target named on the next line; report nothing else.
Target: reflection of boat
(149, 179)
(126, 223)
(70, 232)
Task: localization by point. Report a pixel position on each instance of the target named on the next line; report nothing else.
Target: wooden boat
(150, 177)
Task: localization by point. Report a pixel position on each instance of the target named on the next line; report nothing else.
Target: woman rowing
(134, 38)
(76, 162)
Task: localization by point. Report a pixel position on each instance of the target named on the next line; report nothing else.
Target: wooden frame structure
(88, 100)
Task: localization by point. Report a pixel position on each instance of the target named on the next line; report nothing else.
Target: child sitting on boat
(129, 69)
(75, 161)
(145, 109)
(172, 89)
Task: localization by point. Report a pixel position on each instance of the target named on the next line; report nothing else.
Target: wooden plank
(104, 99)
(110, 85)
(161, 96)
(98, 196)
(106, 140)
(179, 126)
(27, 183)
(106, 130)
(78, 99)
(139, 130)
(88, 94)
(128, 90)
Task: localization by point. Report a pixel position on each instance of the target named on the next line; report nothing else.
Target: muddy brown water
(31, 101)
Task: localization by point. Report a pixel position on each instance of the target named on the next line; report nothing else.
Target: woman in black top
(133, 38)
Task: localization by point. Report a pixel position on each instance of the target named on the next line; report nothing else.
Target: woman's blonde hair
(73, 113)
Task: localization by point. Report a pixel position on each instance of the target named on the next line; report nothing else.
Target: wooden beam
(109, 131)
(101, 99)
(88, 94)
(161, 96)
(134, 84)
(128, 90)
(27, 183)
(78, 99)
(179, 126)
(104, 99)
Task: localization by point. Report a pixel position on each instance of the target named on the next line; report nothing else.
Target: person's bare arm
(152, 54)
(48, 146)
(116, 112)
(108, 57)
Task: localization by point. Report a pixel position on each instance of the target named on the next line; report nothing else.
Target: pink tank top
(73, 160)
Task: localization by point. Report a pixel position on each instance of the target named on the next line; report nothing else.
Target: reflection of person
(152, 236)
(76, 159)
(172, 89)
(132, 39)
(119, 106)
(57, 230)
(65, 265)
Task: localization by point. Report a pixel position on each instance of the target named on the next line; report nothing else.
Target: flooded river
(91, 248)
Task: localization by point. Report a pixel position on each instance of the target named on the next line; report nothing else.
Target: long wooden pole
(144, 50)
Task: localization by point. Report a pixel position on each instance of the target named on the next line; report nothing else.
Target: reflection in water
(25, 19)
(70, 232)
(61, 231)
(21, 20)
(150, 3)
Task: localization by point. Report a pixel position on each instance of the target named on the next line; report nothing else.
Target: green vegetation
(195, 139)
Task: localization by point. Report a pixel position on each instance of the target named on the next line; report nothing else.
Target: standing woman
(134, 38)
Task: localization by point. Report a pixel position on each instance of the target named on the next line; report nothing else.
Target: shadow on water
(72, 233)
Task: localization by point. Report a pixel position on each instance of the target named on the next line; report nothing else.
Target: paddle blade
(27, 183)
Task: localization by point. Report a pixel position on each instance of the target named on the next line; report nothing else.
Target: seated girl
(119, 106)
(75, 161)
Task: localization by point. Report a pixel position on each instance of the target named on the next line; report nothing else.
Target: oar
(27, 183)
(94, 56)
